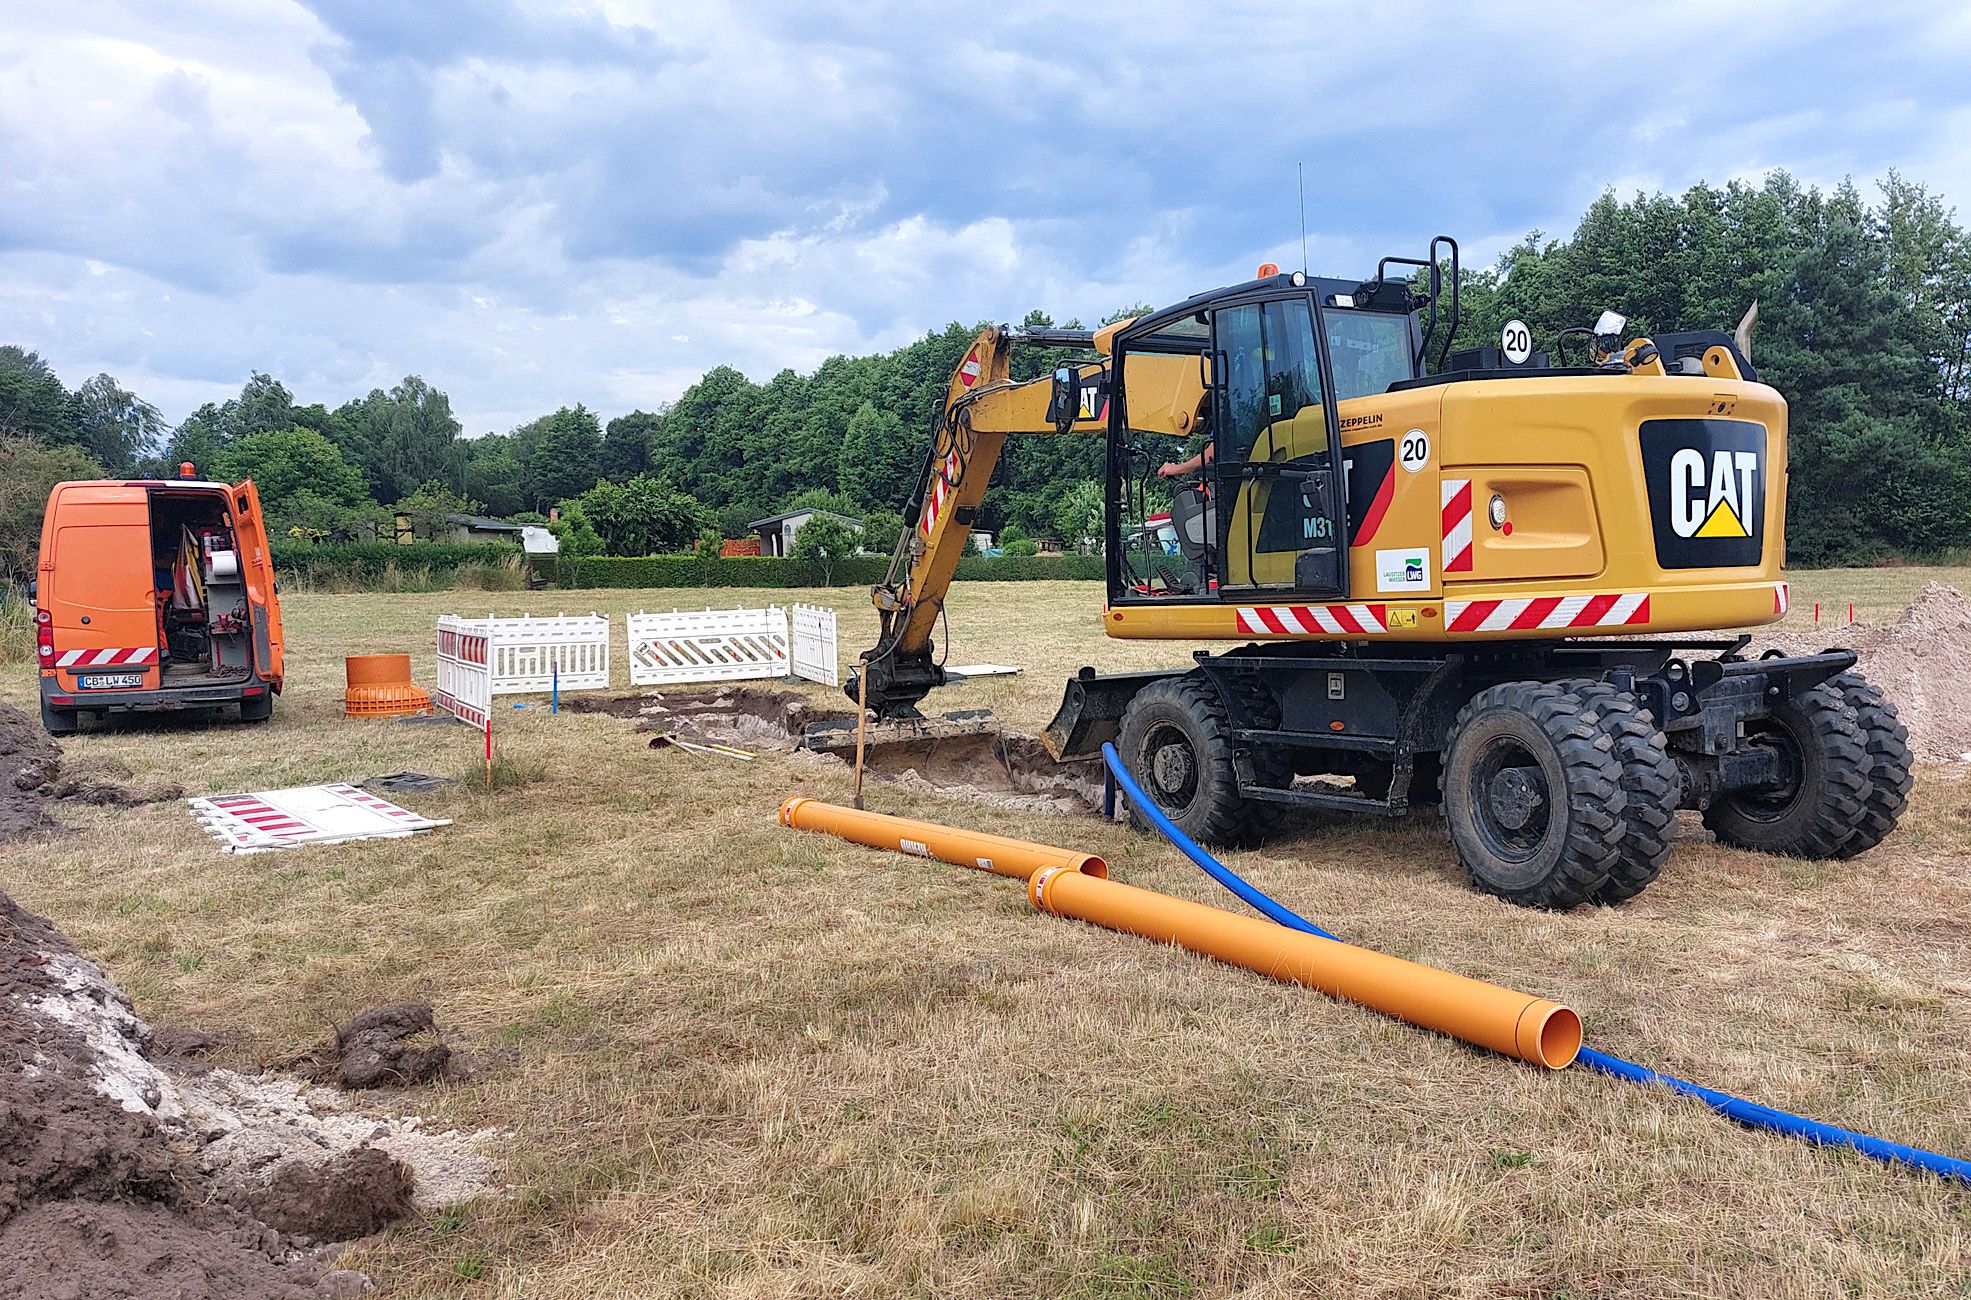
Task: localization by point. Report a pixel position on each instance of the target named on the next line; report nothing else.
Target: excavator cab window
(1276, 492)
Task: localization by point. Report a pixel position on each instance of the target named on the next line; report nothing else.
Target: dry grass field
(751, 1063)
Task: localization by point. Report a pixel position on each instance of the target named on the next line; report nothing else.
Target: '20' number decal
(1414, 451)
(1516, 341)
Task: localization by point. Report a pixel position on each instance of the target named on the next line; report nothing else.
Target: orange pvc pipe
(1519, 1025)
(994, 853)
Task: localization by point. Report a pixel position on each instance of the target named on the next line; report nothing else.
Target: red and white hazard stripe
(1782, 598)
(1456, 556)
(1546, 613)
(369, 800)
(263, 817)
(942, 484)
(108, 658)
(1312, 620)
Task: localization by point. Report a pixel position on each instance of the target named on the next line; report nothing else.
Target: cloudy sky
(539, 202)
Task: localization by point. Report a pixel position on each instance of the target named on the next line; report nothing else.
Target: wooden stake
(861, 721)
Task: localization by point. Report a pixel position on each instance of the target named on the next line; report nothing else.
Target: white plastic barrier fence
(815, 656)
(530, 653)
(465, 672)
(713, 645)
(479, 658)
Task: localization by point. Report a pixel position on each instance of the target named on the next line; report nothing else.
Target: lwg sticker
(1707, 492)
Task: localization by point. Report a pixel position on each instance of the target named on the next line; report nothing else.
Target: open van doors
(257, 569)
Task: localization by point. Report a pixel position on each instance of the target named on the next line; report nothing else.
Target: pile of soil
(32, 776)
(390, 1046)
(127, 1173)
(1921, 661)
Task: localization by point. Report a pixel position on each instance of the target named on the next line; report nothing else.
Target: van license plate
(113, 682)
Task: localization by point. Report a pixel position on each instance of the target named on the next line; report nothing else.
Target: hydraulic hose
(1749, 1113)
(1147, 808)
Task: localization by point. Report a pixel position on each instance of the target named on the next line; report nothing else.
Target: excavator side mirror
(1067, 397)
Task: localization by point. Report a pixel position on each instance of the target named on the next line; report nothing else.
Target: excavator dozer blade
(1091, 710)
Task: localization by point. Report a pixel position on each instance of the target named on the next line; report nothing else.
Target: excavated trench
(968, 756)
(1919, 661)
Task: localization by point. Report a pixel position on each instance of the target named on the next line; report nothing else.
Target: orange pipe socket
(994, 853)
(1516, 1024)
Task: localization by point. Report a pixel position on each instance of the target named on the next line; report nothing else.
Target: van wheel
(58, 722)
(258, 709)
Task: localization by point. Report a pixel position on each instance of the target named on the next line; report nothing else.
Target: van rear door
(100, 592)
(257, 570)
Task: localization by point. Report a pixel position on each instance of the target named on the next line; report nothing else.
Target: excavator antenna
(1300, 173)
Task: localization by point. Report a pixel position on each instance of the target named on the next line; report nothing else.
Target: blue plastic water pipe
(1749, 1113)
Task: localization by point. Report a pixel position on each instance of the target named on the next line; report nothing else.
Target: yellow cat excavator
(1438, 579)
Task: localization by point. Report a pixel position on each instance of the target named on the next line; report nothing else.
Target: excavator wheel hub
(1173, 767)
(1515, 796)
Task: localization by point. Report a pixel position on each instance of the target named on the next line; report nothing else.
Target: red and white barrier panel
(713, 645)
(465, 669)
(308, 814)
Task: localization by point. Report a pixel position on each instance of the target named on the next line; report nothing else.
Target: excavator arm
(983, 406)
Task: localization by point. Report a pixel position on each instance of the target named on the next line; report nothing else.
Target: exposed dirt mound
(350, 1196)
(391, 1046)
(122, 1176)
(28, 761)
(1922, 661)
(32, 775)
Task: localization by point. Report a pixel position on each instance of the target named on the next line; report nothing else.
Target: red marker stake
(489, 753)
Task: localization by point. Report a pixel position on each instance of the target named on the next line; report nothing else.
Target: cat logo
(1707, 491)
(1711, 502)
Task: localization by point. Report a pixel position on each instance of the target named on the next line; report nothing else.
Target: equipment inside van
(155, 594)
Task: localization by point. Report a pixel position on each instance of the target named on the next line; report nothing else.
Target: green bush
(389, 566)
(768, 571)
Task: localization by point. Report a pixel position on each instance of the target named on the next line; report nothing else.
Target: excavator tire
(1823, 800)
(1175, 740)
(1650, 789)
(1533, 795)
(1887, 741)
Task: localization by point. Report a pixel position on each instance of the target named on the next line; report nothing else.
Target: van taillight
(44, 635)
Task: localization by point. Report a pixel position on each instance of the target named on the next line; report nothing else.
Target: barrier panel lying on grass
(713, 645)
(815, 654)
(465, 671)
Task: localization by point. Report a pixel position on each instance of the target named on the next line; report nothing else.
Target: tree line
(1865, 327)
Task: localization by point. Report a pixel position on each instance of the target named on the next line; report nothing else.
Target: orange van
(155, 594)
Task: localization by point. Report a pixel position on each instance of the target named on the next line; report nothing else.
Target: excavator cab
(1243, 383)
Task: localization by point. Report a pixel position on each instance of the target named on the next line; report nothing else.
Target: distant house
(777, 532)
(479, 528)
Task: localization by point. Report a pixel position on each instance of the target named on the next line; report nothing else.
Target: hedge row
(376, 564)
(766, 571)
